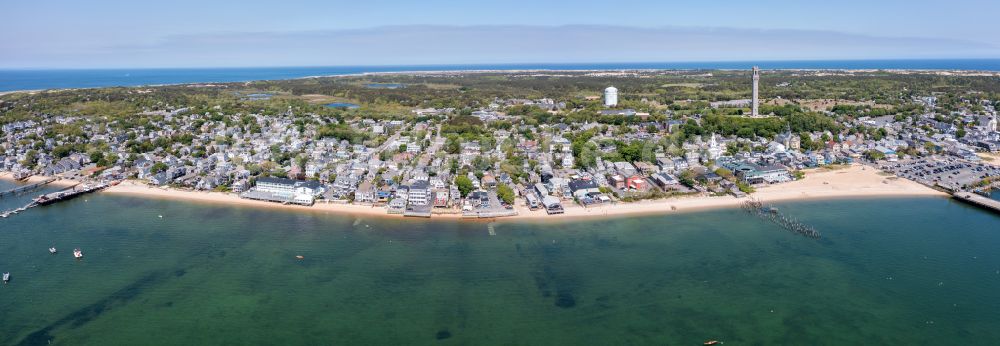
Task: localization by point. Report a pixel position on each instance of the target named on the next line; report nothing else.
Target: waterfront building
(552, 205)
(365, 193)
(239, 186)
(666, 181)
(637, 182)
(285, 190)
(419, 193)
(396, 206)
(441, 199)
(753, 173)
(583, 187)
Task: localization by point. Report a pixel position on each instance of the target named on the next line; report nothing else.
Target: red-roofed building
(637, 182)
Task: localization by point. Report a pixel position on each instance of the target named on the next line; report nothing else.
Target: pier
(974, 199)
(26, 188)
(46, 199)
(69, 193)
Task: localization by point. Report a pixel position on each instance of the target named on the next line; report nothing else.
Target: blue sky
(186, 33)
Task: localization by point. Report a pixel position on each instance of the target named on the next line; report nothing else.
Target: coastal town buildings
(506, 152)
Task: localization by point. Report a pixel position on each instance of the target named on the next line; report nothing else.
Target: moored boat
(77, 253)
(52, 250)
(6, 277)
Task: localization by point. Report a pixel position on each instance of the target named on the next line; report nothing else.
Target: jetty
(977, 200)
(768, 212)
(26, 188)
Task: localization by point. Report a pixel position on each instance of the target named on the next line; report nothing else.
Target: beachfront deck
(273, 197)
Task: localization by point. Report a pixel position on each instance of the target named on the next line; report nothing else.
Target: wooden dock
(74, 191)
(978, 200)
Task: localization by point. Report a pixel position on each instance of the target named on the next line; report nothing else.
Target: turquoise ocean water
(59, 79)
(887, 271)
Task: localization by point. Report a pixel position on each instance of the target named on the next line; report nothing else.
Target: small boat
(52, 250)
(77, 253)
(713, 342)
(6, 277)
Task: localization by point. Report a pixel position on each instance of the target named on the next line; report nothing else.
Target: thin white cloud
(435, 44)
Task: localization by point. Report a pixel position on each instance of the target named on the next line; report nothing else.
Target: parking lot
(945, 171)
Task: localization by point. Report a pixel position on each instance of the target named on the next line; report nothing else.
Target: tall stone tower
(755, 102)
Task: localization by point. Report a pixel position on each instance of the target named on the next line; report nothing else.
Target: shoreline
(60, 182)
(419, 72)
(856, 181)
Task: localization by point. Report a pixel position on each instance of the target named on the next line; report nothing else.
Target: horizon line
(752, 61)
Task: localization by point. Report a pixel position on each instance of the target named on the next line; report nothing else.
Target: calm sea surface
(888, 271)
(58, 79)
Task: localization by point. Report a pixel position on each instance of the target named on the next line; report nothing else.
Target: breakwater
(26, 188)
(768, 212)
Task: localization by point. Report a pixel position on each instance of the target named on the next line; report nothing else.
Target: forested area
(663, 95)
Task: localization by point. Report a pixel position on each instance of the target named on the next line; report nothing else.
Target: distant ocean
(92, 78)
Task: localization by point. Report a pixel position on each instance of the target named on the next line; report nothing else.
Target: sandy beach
(855, 181)
(37, 178)
(990, 158)
(140, 189)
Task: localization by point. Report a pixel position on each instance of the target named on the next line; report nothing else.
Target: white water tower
(611, 96)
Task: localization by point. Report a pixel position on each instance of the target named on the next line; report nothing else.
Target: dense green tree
(505, 193)
(464, 185)
(874, 155)
(158, 167)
